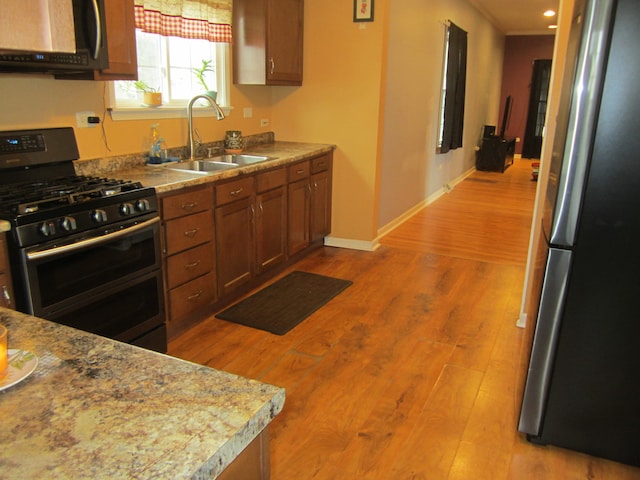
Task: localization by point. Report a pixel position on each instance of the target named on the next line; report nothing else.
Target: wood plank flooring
(413, 372)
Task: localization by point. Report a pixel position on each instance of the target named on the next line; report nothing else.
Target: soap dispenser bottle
(155, 145)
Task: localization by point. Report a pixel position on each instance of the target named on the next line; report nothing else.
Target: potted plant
(200, 75)
(150, 96)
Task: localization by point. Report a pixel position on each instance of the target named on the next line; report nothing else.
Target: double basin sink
(217, 163)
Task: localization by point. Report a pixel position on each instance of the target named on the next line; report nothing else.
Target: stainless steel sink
(217, 163)
(201, 166)
(240, 158)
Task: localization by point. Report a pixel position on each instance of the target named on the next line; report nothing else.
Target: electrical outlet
(82, 120)
(264, 122)
(248, 112)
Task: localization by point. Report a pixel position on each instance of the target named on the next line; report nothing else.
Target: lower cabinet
(6, 290)
(251, 230)
(271, 219)
(309, 202)
(320, 202)
(222, 239)
(189, 255)
(235, 240)
(299, 204)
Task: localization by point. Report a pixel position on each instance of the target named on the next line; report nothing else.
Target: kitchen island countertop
(97, 408)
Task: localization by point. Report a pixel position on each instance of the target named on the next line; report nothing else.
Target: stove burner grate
(30, 197)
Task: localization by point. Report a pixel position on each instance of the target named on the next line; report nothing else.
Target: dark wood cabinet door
(284, 42)
(268, 42)
(235, 244)
(320, 205)
(271, 232)
(298, 216)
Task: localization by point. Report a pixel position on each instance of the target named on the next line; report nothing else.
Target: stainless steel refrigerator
(582, 388)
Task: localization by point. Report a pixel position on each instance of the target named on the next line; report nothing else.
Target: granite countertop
(96, 408)
(165, 180)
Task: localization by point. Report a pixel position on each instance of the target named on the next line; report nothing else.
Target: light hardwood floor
(413, 372)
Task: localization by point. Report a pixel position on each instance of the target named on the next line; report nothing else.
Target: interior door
(532, 144)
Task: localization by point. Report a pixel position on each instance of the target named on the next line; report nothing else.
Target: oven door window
(55, 281)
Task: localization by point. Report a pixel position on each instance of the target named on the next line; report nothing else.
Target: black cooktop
(30, 197)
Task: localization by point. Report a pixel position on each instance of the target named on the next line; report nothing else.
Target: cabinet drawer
(187, 203)
(270, 180)
(189, 231)
(190, 264)
(229, 192)
(298, 171)
(192, 296)
(320, 164)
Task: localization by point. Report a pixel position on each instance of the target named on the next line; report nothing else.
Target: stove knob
(126, 209)
(143, 205)
(99, 216)
(47, 228)
(68, 224)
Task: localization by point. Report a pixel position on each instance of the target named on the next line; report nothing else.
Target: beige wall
(36, 101)
(340, 103)
(411, 170)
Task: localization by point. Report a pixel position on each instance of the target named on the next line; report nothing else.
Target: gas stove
(84, 251)
(43, 198)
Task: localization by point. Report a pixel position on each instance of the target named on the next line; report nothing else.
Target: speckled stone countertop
(99, 409)
(167, 180)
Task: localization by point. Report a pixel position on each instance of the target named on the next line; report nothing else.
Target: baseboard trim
(522, 321)
(367, 246)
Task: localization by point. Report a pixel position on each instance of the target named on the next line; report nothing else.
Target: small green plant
(201, 71)
(144, 87)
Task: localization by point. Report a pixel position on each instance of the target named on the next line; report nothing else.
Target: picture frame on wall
(363, 10)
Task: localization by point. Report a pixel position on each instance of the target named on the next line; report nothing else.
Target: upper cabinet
(121, 45)
(267, 42)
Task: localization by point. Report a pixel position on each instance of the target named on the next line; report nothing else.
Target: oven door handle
(39, 254)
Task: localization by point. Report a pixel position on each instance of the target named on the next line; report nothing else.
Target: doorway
(532, 145)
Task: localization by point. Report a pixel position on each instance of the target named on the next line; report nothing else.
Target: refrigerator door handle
(583, 115)
(545, 341)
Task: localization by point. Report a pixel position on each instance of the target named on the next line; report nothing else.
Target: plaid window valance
(198, 19)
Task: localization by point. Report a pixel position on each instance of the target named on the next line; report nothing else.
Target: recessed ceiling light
(549, 13)
(552, 26)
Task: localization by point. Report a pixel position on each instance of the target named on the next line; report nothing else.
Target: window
(453, 89)
(166, 64)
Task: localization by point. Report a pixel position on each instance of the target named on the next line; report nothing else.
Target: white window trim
(173, 111)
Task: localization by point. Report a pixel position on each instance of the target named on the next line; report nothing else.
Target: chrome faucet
(219, 116)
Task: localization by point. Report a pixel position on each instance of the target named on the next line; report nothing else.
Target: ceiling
(518, 17)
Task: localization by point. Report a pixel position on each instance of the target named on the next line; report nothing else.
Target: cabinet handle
(189, 206)
(236, 192)
(273, 65)
(253, 212)
(195, 296)
(6, 295)
(191, 266)
(191, 233)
